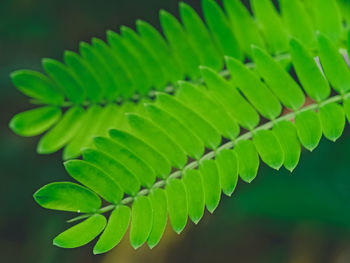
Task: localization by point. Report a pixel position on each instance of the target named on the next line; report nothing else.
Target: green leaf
(110, 113)
(150, 64)
(309, 74)
(271, 25)
(141, 221)
(309, 129)
(269, 148)
(254, 89)
(134, 163)
(334, 65)
(248, 160)
(37, 86)
(233, 102)
(177, 204)
(286, 134)
(106, 163)
(195, 194)
(128, 63)
(328, 19)
(184, 49)
(177, 131)
(298, 21)
(66, 80)
(103, 73)
(66, 196)
(121, 84)
(95, 179)
(36, 121)
(155, 42)
(344, 6)
(244, 26)
(81, 233)
(155, 136)
(159, 205)
(278, 80)
(117, 225)
(198, 101)
(62, 132)
(332, 118)
(198, 34)
(221, 29)
(211, 184)
(204, 130)
(87, 129)
(86, 74)
(156, 160)
(227, 164)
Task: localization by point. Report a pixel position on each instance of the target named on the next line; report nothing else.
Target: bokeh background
(298, 218)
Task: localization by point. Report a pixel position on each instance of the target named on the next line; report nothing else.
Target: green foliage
(174, 149)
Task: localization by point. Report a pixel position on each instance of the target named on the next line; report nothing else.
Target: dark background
(303, 217)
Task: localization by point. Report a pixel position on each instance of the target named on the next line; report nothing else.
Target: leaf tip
(12, 124)
(136, 245)
(211, 209)
(97, 251)
(56, 242)
(290, 170)
(163, 14)
(178, 231)
(276, 166)
(182, 5)
(196, 220)
(151, 245)
(41, 149)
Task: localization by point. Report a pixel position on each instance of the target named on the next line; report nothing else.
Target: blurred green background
(298, 218)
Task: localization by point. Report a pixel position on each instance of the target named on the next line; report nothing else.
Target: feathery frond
(178, 148)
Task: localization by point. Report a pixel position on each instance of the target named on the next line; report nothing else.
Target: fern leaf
(244, 26)
(248, 160)
(271, 25)
(200, 38)
(118, 223)
(95, 179)
(221, 29)
(195, 194)
(158, 199)
(172, 152)
(231, 99)
(141, 221)
(145, 174)
(299, 24)
(81, 233)
(269, 148)
(310, 76)
(131, 65)
(200, 102)
(286, 134)
(35, 121)
(332, 119)
(37, 86)
(66, 196)
(309, 129)
(227, 165)
(284, 87)
(177, 204)
(333, 64)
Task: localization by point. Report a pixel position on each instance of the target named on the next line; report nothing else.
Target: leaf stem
(210, 155)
